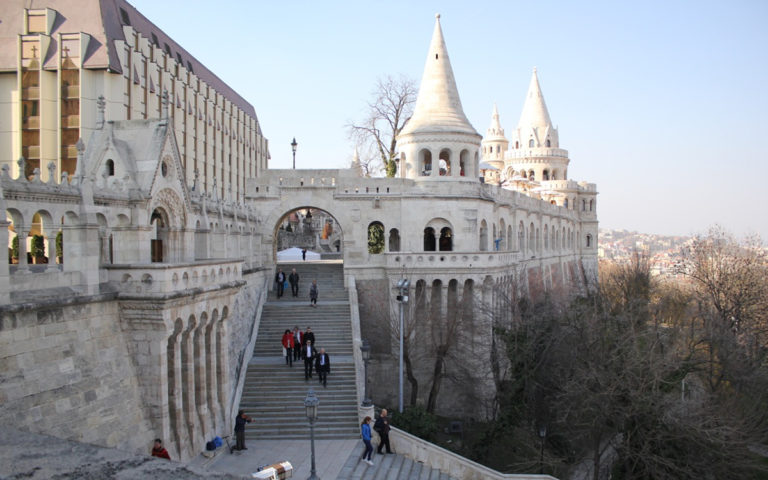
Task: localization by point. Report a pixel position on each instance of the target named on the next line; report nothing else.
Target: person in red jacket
(159, 450)
(288, 345)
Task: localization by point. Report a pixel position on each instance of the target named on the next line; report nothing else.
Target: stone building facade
(169, 219)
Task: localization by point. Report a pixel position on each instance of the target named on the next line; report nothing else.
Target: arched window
(583, 205)
(517, 144)
(531, 175)
(429, 239)
(375, 237)
(483, 236)
(589, 240)
(445, 163)
(591, 205)
(549, 144)
(498, 148)
(545, 175)
(110, 168)
(546, 237)
(446, 239)
(394, 240)
(426, 163)
(530, 143)
(521, 237)
(565, 203)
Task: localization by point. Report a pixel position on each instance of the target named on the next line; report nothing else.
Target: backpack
(210, 446)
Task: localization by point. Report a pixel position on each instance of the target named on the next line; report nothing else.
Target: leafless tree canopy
(386, 114)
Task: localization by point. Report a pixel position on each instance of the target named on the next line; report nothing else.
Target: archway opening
(307, 233)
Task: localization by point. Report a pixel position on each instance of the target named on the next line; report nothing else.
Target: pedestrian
(323, 366)
(280, 280)
(240, 422)
(382, 428)
(309, 335)
(298, 341)
(304, 254)
(293, 279)
(308, 354)
(158, 450)
(365, 431)
(288, 347)
(313, 294)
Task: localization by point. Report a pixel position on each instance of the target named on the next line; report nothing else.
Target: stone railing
(535, 152)
(446, 461)
(451, 260)
(165, 278)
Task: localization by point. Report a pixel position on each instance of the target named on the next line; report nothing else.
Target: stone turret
(438, 142)
(495, 144)
(535, 151)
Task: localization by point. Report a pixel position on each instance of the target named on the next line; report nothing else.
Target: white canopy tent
(294, 253)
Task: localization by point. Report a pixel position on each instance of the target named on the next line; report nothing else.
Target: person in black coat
(309, 335)
(323, 366)
(308, 354)
(293, 279)
(280, 280)
(240, 422)
(382, 428)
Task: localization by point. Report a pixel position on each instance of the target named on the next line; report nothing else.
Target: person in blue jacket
(365, 431)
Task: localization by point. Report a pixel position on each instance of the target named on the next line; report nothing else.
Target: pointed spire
(495, 129)
(535, 114)
(438, 106)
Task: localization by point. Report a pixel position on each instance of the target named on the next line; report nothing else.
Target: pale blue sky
(663, 104)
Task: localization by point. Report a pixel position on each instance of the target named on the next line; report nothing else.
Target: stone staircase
(274, 393)
(387, 467)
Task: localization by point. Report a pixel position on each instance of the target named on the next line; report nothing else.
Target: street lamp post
(310, 403)
(402, 297)
(293, 147)
(542, 435)
(365, 349)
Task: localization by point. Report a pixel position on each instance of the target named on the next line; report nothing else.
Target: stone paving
(330, 457)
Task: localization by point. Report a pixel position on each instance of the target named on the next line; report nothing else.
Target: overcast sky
(663, 104)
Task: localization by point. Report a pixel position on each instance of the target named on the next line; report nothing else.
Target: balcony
(30, 93)
(70, 121)
(31, 152)
(166, 279)
(70, 91)
(69, 151)
(31, 122)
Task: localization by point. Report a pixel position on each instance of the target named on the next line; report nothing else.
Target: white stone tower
(535, 151)
(438, 142)
(495, 144)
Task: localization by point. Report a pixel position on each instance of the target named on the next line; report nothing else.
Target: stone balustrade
(444, 460)
(451, 260)
(164, 278)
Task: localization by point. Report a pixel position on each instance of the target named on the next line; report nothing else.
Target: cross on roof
(34, 51)
(65, 50)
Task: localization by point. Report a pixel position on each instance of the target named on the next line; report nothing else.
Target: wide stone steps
(387, 467)
(329, 276)
(274, 393)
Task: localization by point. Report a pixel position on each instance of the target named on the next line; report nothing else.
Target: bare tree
(376, 135)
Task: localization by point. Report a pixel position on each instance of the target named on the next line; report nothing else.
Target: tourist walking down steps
(288, 346)
(313, 294)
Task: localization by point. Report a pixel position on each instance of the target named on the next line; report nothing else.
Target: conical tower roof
(438, 106)
(535, 114)
(495, 132)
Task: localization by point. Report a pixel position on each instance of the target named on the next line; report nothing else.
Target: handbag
(284, 352)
